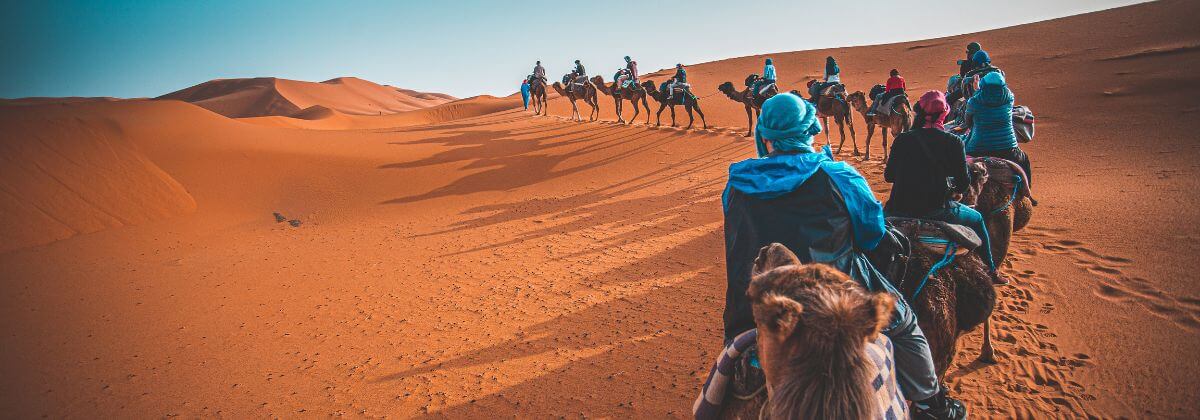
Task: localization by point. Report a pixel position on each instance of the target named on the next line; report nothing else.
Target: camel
(631, 95)
(1002, 196)
(953, 301)
(898, 120)
(818, 336)
(537, 89)
(837, 107)
(588, 96)
(686, 99)
(752, 102)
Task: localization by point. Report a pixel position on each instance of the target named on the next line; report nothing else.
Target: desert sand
(466, 259)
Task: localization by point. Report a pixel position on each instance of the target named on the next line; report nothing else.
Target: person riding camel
(832, 77)
(926, 168)
(680, 78)
(767, 79)
(895, 87)
(982, 67)
(629, 73)
(539, 72)
(988, 116)
(825, 212)
(954, 90)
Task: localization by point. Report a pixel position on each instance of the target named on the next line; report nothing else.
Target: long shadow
(516, 167)
(579, 203)
(646, 347)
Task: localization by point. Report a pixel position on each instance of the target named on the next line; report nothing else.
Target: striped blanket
(888, 397)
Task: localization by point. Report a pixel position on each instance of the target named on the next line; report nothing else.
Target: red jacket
(894, 83)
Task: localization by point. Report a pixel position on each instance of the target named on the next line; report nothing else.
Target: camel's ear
(882, 306)
(779, 314)
(772, 256)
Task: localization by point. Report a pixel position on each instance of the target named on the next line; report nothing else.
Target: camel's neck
(558, 88)
(834, 385)
(859, 105)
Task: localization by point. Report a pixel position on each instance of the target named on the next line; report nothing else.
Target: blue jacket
(769, 72)
(680, 75)
(991, 115)
(823, 210)
(525, 89)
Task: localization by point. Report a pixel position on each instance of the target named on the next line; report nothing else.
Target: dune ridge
(269, 96)
(66, 174)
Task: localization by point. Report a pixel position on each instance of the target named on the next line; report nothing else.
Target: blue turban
(981, 57)
(789, 122)
(992, 79)
(768, 61)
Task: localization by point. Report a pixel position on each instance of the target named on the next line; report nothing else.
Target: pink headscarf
(934, 104)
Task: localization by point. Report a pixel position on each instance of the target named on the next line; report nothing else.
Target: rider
(680, 77)
(539, 71)
(580, 72)
(989, 117)
(895, 87)
(824, 211)
(630, 73)
(954, 90)
(832, 77)
(927, 167)
(768, 77)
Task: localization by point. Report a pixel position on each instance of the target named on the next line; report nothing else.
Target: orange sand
(469, 260)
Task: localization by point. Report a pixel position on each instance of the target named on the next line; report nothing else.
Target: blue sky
(464, 48)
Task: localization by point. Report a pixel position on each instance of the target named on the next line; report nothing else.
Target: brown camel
(631, 95)
(816, 331)
(953, 301)
(537, 89)
(1003, 198)
(898, 120)
(588, 95)
(836, 106)
(686, 99)
(752, 102)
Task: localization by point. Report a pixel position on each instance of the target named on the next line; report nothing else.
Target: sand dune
(67, 173)
(267, 96)
(321, 118)
(469, 260)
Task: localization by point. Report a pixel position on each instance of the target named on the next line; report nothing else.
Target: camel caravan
(837, 305)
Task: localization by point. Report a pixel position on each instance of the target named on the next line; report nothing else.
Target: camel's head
(810, 312)
(726, 88)
(979, 177)
(649, 86)
(598, 80)
(857, 98)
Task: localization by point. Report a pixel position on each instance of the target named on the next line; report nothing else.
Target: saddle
(1007, 179)
(892, 254)
(887, 107)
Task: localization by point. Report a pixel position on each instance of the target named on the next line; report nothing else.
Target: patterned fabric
(708, 404)
(888, 397)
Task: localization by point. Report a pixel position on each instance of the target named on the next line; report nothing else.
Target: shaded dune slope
(267, 96)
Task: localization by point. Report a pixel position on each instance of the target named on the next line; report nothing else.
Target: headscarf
(934, 108)
(789, 122)
(993, 91)
(981, 57)
(768, 61)
(831, 66)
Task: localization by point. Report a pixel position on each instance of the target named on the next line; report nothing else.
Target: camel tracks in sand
(1114, 285)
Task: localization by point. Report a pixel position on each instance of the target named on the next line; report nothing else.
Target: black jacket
(811, 221)
(918, 178)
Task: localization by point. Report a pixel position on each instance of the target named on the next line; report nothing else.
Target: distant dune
(320, 117)
(269, 96)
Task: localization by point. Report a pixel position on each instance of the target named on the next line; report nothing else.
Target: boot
(939, 407)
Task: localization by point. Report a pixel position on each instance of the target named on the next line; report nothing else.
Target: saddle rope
(947, 258)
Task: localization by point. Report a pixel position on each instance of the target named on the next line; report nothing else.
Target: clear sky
(460, 47)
